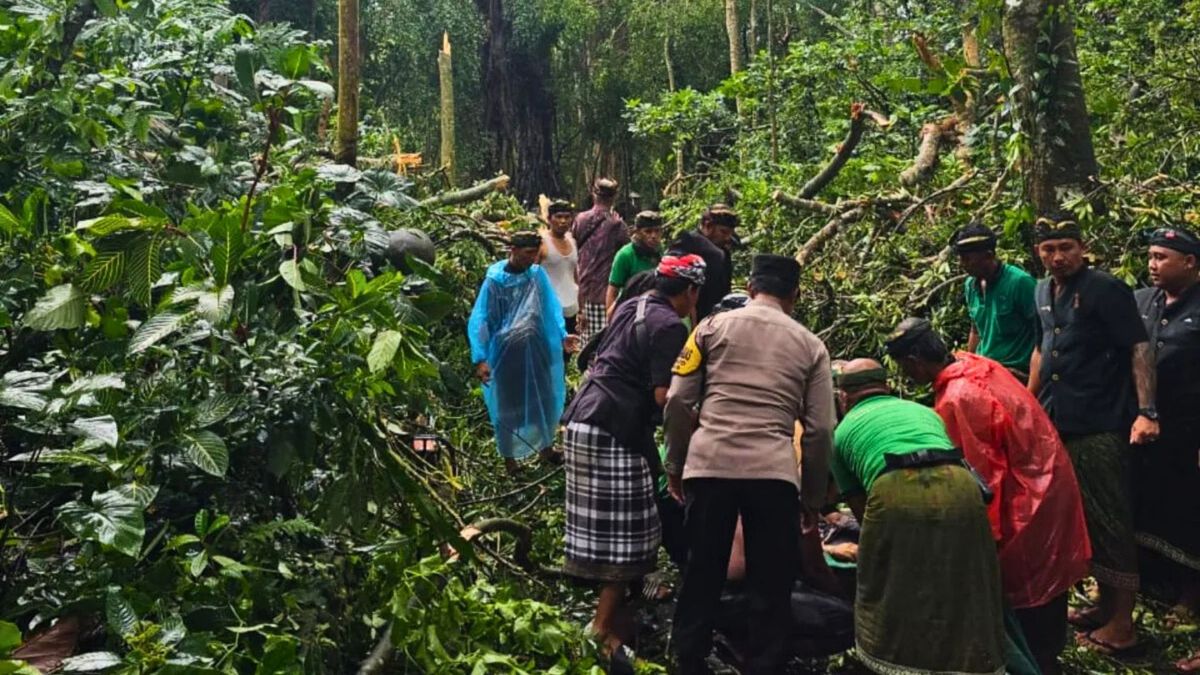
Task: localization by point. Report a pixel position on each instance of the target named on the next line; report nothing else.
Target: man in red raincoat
(1036, 514)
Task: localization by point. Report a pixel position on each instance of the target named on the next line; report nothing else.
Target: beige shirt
(754, 372)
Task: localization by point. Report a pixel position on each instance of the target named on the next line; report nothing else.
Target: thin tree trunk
(446, 76)
(752, 30)
(1039, 42)
(733, 28)
(671, 88)
(348, 62)
(771, 73)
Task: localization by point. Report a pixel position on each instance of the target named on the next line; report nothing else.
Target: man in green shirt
(999, 299)
(639, 255)
(928, 596)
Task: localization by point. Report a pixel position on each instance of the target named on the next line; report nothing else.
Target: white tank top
(561, 270)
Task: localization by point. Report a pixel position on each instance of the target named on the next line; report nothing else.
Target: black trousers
(1045, 629)
(770, 523)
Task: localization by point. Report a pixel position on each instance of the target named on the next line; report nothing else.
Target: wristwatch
(1149, 412)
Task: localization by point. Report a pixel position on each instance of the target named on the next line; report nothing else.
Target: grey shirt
(754, 372)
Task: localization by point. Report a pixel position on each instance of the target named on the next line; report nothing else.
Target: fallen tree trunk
(933, 136)
(497, 184)
(822, 237)
(858, 121)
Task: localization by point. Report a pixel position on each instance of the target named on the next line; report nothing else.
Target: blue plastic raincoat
(517, 327)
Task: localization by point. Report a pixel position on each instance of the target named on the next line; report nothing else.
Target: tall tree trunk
(733, 27)
(348, 64)
(518, 106)
(1039, 42)
(752, 30)
(670, 64)
(446, 76)
(771, 73)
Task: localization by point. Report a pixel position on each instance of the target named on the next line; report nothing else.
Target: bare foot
(1088, 618)
(1189, 664)
(1111, 640)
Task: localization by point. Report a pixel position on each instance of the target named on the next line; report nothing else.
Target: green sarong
(1102, 466)
(929, 599)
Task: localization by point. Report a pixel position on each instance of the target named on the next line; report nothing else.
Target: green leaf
(200, 521)
(321, 89)
(61, 307)
(103, 271)
(206, 451)
(95, 383)
(91, 662)
(145, 268)
(215, 306)
(384, 350)
(156, 328)
(339, 173)
(198, 562)
(214, 409)
(290, 272)
(112, 519)
(243, 64)
(107, 8)
(22, 389)
(121, 617)
(142, 494)
(10, 224)
(10, 637)
(101, 429)
(228, 246)
(106, 225)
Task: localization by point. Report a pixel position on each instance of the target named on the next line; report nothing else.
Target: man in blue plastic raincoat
(517, 339)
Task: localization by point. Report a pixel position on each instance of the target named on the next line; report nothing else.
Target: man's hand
(572, 344)
(581, 321)
(483, 372)
(675, 487)
(1145, 430)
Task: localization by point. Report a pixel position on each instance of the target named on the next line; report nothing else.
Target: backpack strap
(640, 332)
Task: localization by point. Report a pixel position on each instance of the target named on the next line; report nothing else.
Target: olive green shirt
(882, 425)
(1005, 316)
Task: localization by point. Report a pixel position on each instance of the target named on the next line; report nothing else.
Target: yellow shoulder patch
(690, 359)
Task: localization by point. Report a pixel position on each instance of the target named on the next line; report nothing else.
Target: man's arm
(818, 418)
(610, 300)
(973, 340)
(1035, 369)
(1144, 429)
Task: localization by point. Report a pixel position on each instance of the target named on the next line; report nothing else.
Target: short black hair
(671, 286)
(773, 286)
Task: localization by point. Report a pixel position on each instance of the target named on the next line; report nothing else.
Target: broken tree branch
(812, 205)
(859, 114)
(827, 233)
(958, 184)
(497, 184)
(933, 136)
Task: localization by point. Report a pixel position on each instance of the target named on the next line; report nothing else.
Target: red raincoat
(1037, 515)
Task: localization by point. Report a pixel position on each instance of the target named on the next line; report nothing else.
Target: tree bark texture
(348, 62)
(1039, 42)
(733, 27)
(518, 106)
(446, 77)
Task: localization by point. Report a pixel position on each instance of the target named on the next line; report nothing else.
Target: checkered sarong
(613, 529)
(596, 320)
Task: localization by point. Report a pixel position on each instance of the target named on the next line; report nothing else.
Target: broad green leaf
(10, 224)
(101, 429)
(356, 281)
(228, 246)
(384, 350)
(215, 306)
(142, 494)
(21, 389)
(321, 89)
(198, 562)
(206, 451)
(106, 225)
(243, 65)
(120, 615)
(10, 637)
(290, 272)
(112, 519)
(91, 662)
(339, 173)
(182, 540)
(145, 268)
(107, 8)
(214, 409)
(95, 383)
(156, 328)
(104, 271)
(200, 521)
(61, 307)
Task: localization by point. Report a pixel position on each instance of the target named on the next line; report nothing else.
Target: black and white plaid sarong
(613, 529)
(596, 320)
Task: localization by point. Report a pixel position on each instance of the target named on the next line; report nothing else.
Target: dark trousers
(770, 524)
(1045, 629)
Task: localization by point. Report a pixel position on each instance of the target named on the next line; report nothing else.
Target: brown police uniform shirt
(754, 372)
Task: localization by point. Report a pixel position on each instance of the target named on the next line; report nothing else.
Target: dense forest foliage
(211, 377)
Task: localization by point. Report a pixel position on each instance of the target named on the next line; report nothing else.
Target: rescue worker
(517, 340)
(713, 241)
(1092, 355)
(599, 233)
(1036, 513)
(928, 594)
(999, 299)
(753, 372)
(612, 520)
(640, 255)
(1168, 471)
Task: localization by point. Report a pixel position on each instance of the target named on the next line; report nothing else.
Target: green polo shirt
(1005, 316)
(628, 263)
(879, 425)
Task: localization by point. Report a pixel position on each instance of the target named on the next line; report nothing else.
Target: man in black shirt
(713, 242)
(1168, 471)
(1092, 355)
(613, 527)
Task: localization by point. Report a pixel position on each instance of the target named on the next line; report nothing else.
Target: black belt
(922, 459)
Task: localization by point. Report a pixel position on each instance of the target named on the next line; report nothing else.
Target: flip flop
(1093, 643)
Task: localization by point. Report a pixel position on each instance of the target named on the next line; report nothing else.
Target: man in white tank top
(560, 258)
